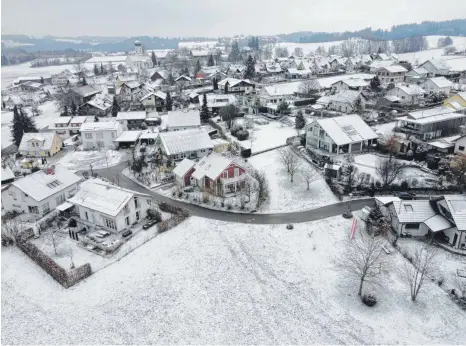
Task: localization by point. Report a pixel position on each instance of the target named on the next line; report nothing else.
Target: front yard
(84, 159)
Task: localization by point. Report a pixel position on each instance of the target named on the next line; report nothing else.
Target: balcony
(232, 180)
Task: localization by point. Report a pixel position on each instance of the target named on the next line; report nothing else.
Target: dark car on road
(149, 224)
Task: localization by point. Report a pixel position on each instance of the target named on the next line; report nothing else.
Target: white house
(243, 86)
(64, 78)
(40, 192)
(217, 101)
(178, 120)
(192, 144)
(44, 144)
(100, 134)
(346, 101)
(343, 134)
(130, 91)
(183, 171)
(356, 84)
(100, 204)
(437, 67)
(408, 93)
(391, 74)
(417, 75)
(278, 92)
(131, 120)
(438, 85)
(140, 60)
(460, 145)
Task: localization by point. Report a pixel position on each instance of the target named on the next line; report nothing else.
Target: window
(60, 199)
(88, 135)
(412, 226)
(408, 207)
(127, 221)
(126, 209)
(14, 195)
(136, 203)
(149, 202)
(137, 216)
(45, 208)
(110, 223)
(461, 148)
(225, 174)
(87, 216)
(33, 209)
(236, 172)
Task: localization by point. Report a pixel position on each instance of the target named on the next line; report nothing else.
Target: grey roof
(183, 167)
(179, 118)
(177, 142)
(211, 166)
(87, 90)
(345, 96)
(457, 206)
(413, 211)
(45, 137)
(437, 223)
(134, 115)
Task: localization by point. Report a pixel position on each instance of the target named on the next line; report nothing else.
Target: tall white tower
(138, 47)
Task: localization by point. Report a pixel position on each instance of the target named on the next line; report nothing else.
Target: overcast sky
(214, 17)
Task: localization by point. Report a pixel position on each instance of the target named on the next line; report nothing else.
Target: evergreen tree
(215, 84)
(169, 102)
(211, 61)
(74, 109)
(102, 71)
(115, 107)
(204, 110)
(234, 53)
(4, 60)
(300, 122)
(197, 68)
(41, 80)
(96, 69)
(250, 68)
(225, 89)
(84, 81)
(375, 82)
(170, 79)
(17, 128)
(29, 124)
(154, 59)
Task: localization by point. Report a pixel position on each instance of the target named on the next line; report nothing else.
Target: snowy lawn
(81, 160)
(47, 118)
(285, 196)
(385, 129)
(11, 73)
(367, 163)
(212, 282)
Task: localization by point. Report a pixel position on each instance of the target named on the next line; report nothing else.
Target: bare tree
(390, 143)
(423, 260)
(262, 186)
(285, 157)
(363, 259)
(294, 166)
(52, 233)
(309, 87)
(70, 254)
(309, 175)
(458, 168)
(11, 229)
(389, 170)
(350, 173)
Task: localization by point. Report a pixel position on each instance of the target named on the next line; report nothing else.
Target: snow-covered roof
(413, 211)
(437, 223)
(394, 68)
(387, 199)
(7, 173)
(132, 84)
(220, 100)
(439, 64)
(141, 58)
(62, 120)
(159, 94)
(346, 129)
(233, 82)
(180, 118)
(441, 82)
(128, 136)
(377, 64)
(40, 185)
(200, 53)
(354, 82)
(45, 139)
(100, 103)
(457, 206)
(211, 166)
(392, 98)
(418, 72)
(103, 197)
(345, 96)
(410, 89)
(134, 115)
(183, 167)
(100, 126)
(177, 142)
(87, 90)
(183, 77)
(432, 115)
(78, 119)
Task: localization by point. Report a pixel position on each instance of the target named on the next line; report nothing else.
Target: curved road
(112, 173)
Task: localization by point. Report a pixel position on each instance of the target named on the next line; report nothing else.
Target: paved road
(112, 173)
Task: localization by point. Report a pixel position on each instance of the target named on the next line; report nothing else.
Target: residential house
(217, 101)
(154, 100)
(407, 93)
(124, 78)
(157, 75)
(63, 78)
(456, 102)
(278, 93)
(240, 86)
(85, 93)
(460, 145)
(130, 91)
(131, 120)
(100, 106)
(343, 134)
(40, 192)
(43, 144)
(7, 174)
(273, 68)
(437, 85)
(356, 84)
(183, 171)
(431, 123)
(441, 216)
(337, 63)
(127, 139)
(192, 144)
(180, 120)
(346, 101)
(375, 65)
(100, 134)
(236, 71)
(31, 86)
(391, 74)
(437, 67)
(100, 204)
(417, 75)
(139, 62)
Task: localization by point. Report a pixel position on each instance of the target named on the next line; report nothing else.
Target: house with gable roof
(437, 85)
(407, 93)
(437, 67)
(43, 144)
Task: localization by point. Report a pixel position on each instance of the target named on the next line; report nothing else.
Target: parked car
(149, 224)
(103, 234)
(127, 233)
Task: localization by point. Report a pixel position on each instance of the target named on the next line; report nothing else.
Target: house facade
(407, 93)
(391, 74)
(191, 144)
(438, 85)
(460, 145)
(130, 91)
(154, 100)
(100, 134)
(233, 85)
(40, 192)
(346, 101)
(131, 120)
(44, 144)
(436, 67)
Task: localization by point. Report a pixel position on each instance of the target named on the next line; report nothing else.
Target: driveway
(113, 173)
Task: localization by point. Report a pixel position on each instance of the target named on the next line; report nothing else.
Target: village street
(115, 173)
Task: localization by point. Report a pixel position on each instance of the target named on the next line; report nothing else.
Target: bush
(369, 299)
(154, 214)
(242, 135)
(72, 223)
(404, 185)
(307, 111)
(378, 184)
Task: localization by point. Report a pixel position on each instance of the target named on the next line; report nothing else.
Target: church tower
(138, 47)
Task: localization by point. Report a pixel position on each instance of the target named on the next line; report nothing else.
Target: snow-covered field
(307, 47)
(47, 118)
(81, 160)
(367, 163)
(285, 196)
(271, 135)
(11, 73)
(212, 282)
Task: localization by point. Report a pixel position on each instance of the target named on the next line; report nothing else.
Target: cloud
(213, 17)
